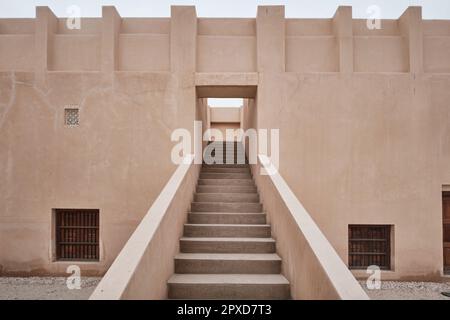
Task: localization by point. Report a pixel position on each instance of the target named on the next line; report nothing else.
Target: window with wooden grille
(71, 117)
(77, 235)
(446, 229)
(369, 245)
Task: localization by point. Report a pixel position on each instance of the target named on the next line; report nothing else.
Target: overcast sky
(390, 9)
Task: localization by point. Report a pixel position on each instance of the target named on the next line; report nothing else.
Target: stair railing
(146, 262)
(310, 263)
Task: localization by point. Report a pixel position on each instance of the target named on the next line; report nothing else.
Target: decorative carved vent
(77, 234)
(369, 245)
(71, 117)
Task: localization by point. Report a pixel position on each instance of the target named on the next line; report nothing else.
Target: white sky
(390, 9)
(229, 103)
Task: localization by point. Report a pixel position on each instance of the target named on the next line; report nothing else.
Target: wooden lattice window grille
(77, 235)
(369, 245)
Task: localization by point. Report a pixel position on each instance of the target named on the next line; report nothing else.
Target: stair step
(227, 182)
(225, 176)
(227, 153)
(216, 162)
(225, 144)
(227, 230)
(226, 218)
(224, 155)
(226, 189)
(227, 245)
(226, 147)
(226, 207)
(227, 197)
(219, 153)
(228, 286)
(221, 150)
(227, 251)
(225, 166)
(231, 263)
(225, 170)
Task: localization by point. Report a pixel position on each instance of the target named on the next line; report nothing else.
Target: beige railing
(145, 263)
(310, 263)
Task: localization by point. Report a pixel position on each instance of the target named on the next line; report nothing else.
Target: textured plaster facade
(363, 118)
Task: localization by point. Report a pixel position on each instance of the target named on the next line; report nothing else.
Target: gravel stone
(54, 288)
(399, 290)
(44, 288)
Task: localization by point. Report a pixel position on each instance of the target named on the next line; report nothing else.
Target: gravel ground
(393, 290)
(44, 288)
(50, 288)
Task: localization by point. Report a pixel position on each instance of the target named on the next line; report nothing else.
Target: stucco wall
(17, 26)
(367, 150)
(145, 25)
(75, 53)
(10, 45)
(380, 54)
(225, 114)
(144, 52)
(363, 118)
(226, 53)
(117, 160)
(226, 45)
(437, 51)
(311, 46)
(321, 56)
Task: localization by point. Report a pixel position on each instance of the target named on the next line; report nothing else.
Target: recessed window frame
(445, 230)
(67, 116)
(78, 238)
(373, 249)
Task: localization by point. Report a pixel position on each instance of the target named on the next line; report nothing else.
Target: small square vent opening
(71, 117)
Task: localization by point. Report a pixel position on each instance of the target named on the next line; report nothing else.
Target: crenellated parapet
(269, 42)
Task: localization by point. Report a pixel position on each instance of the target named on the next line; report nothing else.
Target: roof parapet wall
(186, 43)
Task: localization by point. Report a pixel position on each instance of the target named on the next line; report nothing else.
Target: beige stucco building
(86, 117)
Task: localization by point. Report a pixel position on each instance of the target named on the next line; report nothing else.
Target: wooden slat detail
(446, 229)
(369, 245)
(77, 234)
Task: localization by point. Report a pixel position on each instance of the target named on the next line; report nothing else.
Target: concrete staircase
(227, 251)
(225, 153)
